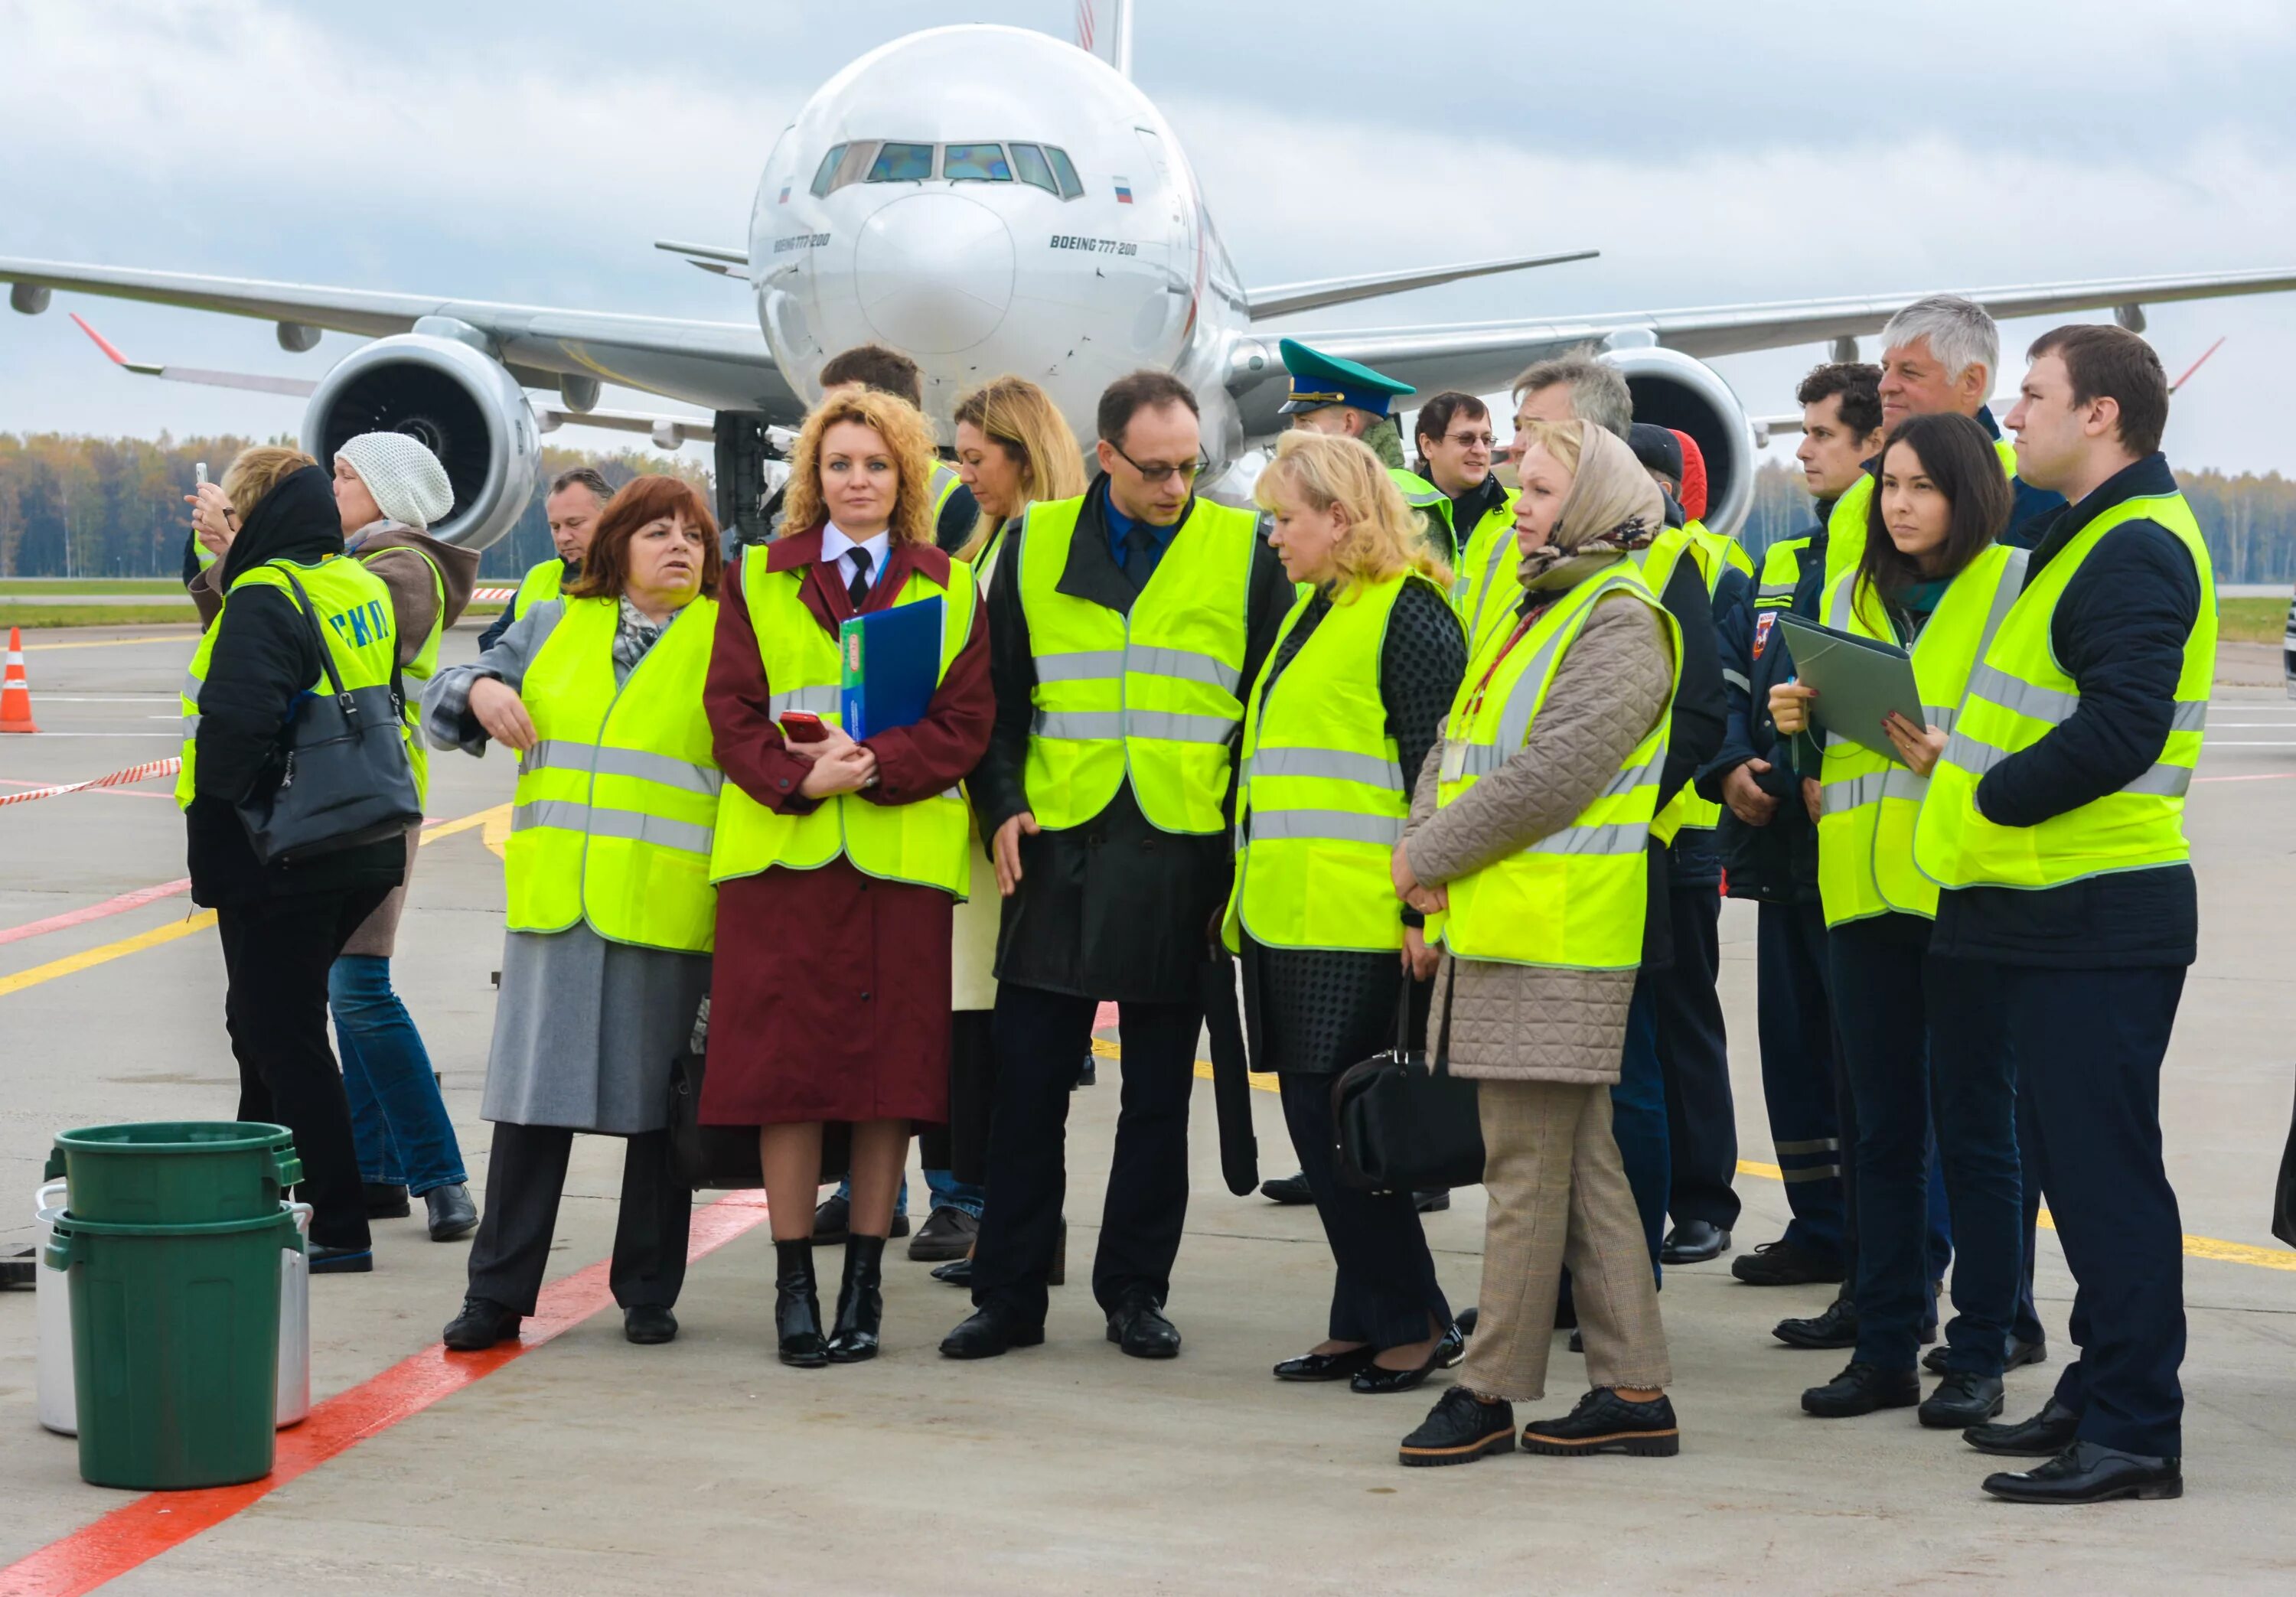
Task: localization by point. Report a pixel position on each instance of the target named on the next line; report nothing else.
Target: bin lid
(176, 1136)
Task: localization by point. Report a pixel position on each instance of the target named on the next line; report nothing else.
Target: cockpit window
(902, 163)
(826, 174)
(975, 163)
(1065, 171)
(1028, 164)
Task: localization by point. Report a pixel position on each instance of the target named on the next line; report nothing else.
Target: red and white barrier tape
(493, 595)
(134, 774)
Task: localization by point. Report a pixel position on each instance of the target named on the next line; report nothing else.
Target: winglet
(2196, 366)
(102, 343)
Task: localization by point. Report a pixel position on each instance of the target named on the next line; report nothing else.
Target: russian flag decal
(1124, 191)
(784, 199)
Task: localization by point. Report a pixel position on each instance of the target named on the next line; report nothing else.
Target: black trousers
(525, 1178)
(1385, 1292)
(1041, 1036)
(2088, 1047)
(275, 954)
(1802, 1086)
(1693, 1053)
(972, 1099)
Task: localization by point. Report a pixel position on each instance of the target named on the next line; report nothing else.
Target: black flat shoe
(2020, 1354)
(1694, 1243)
(649, 1325)
(1327, 1366)
(1837, 1327)
(1860, 1390)
(479, 1326)
(1606, 1423)
(1137, 1325)
(1459, 1429)
(449, 1211)
(956, 1272)
(2085, 1472)
(1961, 1401)
(987, 1333)
(1781, 1264)
(860, 1301)
(797, 1306)
(1375, 1379)
(2043, 1435)
(1287, 1189)
(385, 1200)
(341, 1261)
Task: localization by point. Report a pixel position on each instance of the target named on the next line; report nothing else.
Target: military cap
(1318, 379)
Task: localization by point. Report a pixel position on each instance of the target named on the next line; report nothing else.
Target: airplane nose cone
(934, 273)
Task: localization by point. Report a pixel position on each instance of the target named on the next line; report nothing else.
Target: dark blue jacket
(2119, 630)
(2027, 503)
(1694, 862)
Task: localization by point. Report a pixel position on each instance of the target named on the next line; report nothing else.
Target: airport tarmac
(589, 1465)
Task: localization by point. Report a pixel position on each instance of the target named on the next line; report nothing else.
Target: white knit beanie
(408, 483)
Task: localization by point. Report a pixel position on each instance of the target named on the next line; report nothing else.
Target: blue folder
(892, 664)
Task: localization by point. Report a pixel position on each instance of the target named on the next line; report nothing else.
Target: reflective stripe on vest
(612, 820)
(1845, 529)
(355, 625)
(1578, 897)
(1488, 559)
(921, 842)
(1154, 696)
(1323, 794)
(1870, 803)
(2019, 694)
(1780, 574)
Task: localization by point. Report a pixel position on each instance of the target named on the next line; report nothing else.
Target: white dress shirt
(837, 547)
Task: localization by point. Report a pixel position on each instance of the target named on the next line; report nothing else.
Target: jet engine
(459, 402)
(1673, 390)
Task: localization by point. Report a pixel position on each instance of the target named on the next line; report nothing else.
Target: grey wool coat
(1535, 1022)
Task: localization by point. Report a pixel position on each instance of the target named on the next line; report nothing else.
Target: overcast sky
(531, 151)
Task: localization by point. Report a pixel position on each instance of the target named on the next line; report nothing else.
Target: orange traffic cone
(15, 688)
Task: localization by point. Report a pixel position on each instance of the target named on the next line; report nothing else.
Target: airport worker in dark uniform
(577, 499)
(2054, 824)
(1124, 627)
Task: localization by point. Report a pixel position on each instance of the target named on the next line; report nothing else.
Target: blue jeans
(947, 1192)
(399, 1120)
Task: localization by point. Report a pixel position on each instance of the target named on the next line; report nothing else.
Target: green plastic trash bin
(175, 1347)
(175, 1172)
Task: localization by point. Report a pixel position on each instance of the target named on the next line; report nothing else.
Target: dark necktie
(1140, 554)
(857, 590)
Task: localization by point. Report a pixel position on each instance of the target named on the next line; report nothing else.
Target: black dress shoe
(450, 1211)
(833, 1221)
(1837, 1327)
(1782, 1264)
(1137, 1325)
(1459, 1429)
(341, 1261)
(947, 1233)
(988, 1333)
(956, 1272)
(385, 1200)
(1606, 1423)
(860, 1301)
(1287, 1189)
(2043, 1435)
(1961, 1400)
(2085, 1472)
(1327, 1366)
(2020, 1354)
(479, 1326)
(1467, 1319)
(797, 1306)
(1578, 1341)
(649, 1325)
(1694, 1243)
(1862, 1388)
(1375, 1379)
(1432, 1202)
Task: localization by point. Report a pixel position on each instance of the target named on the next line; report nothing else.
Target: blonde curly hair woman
(1339, 720)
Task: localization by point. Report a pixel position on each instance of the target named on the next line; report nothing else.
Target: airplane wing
(721, 365)
(1483, 358)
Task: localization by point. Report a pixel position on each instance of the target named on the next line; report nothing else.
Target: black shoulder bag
(1401, 1125)
(344, 776)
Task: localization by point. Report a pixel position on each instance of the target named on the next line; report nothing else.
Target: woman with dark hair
(1932, 579)
(612, 916)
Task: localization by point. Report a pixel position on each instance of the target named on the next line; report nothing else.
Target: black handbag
(344, 776)
(723, 1158)
(1401, 1125)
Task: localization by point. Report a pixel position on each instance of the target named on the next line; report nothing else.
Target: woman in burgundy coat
(830, 1000)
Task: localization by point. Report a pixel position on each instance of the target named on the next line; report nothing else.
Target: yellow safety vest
(1871, 803)
(421, 669)
(355, 624)
(1576, 898)
(1152, 695)
(1431, 502)
(922, 842)
(942, 485)
(1845, 528)
(1724, 552)
(2019, 694)
(540, 584)
(1324, 795)
(1658, 562)
(611, 819)
(1781, 575)
(1488, 561)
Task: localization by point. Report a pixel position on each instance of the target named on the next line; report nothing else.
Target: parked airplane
(989, 200)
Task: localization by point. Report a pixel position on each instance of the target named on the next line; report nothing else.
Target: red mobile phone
(802, 727)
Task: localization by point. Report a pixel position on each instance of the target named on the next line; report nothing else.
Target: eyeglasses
(1468, 440)
(1159, 474)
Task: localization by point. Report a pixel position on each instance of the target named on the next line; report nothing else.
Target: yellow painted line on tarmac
(73, 962)
(164, 637)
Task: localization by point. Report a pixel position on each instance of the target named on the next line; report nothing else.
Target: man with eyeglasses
(1124, 625)
(1452, 434)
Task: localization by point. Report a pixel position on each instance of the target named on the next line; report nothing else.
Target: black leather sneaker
(1837, 1327)
(1782, 1264)
(1860, 1390)
(1459, 1429)
(1606, 1423)
(1287, 1189)
(479, 1326)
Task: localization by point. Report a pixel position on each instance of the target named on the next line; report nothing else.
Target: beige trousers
(1559, 1195)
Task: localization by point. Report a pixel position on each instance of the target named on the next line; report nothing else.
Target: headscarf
(1612, 509)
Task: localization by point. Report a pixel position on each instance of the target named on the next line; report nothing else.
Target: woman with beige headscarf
(1527, 832)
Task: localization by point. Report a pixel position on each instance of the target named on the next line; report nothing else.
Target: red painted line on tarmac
(2257, 776)
(96, 912)
(132, 1535)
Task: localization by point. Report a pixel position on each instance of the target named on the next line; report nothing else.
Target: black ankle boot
(860, 1304)
(797, 1306)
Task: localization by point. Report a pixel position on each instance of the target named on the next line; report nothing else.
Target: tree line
(74, 507)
